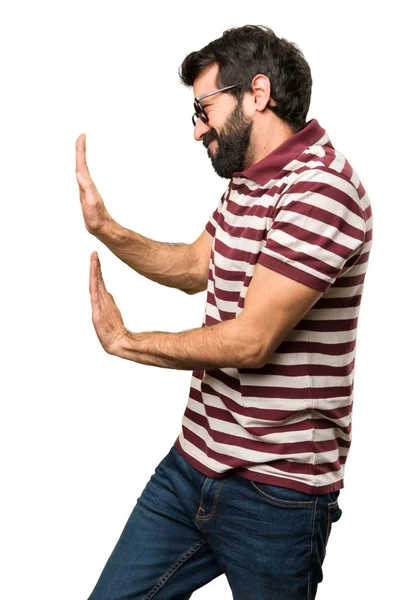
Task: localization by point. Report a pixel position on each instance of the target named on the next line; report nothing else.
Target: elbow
(253, 359)
(196, 290)
(259, 356)
(190, 292)
(251, 346)
(253, 363)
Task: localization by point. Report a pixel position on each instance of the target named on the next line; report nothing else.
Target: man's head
(270, 98)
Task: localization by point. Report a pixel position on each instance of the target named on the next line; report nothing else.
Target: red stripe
(292, 272)
(303, 369)
(232, 463)
(264, 210)
(316, 347)
(319, 214)
(269, 414)
(343, 282)
(262, 429)
(348, 302)
(280, 448)
(307, 468)
(319, 242)
(327, 325)
(325, 189)
(295, 347)
(279, 414)
(233, 253)
(296, 485)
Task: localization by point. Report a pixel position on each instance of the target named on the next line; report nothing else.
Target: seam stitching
(173, 568)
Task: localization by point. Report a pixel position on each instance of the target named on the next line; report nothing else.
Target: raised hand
(106, 316)
(94, 211)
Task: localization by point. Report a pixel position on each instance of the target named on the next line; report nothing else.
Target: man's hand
(106, 317)
(94, 211)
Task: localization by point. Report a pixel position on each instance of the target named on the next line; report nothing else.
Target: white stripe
(249, 455)
(355, 180)
(316, 150)
(230, 307)
(357, 269)
(201, 457)
(296, 164)
(347, 292)
(270, 403)
(324, 139)
(228, 264)
(332, 180)
(241, 243)
(225, 284)
(331, 314)
(298, 382)
(320, 480)
(212, 311)
(300, 266)
(276, 403)
(338, 162)
(241, 429)
(319, 201)
(313, 358)
(323, 254)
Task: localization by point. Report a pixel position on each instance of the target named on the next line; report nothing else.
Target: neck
(267, 136)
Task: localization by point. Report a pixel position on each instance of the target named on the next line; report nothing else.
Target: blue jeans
(187, 528)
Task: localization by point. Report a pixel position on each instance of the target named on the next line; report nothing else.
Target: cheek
(215, 121)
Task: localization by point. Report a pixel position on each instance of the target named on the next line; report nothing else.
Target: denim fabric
(187, 529)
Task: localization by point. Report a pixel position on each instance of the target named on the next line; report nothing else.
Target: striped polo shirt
(302, 211)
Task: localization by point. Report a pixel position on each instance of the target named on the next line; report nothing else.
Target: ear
(261, 92)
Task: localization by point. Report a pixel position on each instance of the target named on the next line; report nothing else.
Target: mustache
(209, 137)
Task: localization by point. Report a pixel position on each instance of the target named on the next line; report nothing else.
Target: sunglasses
(199, 110)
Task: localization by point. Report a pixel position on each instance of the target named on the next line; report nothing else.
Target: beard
(232, 151)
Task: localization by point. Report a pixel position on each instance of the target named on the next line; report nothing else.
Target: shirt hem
(260, 477)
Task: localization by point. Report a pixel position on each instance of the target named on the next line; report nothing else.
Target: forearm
(172, 265)
(226, 344)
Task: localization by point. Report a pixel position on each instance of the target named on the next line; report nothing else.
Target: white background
(82, 431)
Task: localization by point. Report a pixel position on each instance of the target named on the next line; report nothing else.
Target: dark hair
(243, 52)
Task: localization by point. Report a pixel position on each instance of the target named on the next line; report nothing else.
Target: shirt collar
(268, 167)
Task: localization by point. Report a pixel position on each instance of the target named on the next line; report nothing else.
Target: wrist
(121, 344)
(108, 231)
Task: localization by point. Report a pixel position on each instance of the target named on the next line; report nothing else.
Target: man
(250, 487)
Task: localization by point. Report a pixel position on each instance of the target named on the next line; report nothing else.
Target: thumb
(82, 171)
(84, 179)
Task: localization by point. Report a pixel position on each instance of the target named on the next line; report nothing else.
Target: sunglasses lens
(199, 114)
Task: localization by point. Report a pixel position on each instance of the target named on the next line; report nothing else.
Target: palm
(94, 211)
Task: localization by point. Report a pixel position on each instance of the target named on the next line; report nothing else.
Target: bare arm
(182, 266)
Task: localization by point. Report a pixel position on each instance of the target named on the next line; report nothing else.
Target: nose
(200, 129)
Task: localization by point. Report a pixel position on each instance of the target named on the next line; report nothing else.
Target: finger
(101, 286)
(99, 272)
(81, 170)
(99, 278)
(80, 147)
(93, 280)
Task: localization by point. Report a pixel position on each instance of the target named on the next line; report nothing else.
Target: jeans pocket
(284, 497)
(334, 514)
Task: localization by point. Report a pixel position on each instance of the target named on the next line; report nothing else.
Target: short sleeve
(318, 226)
